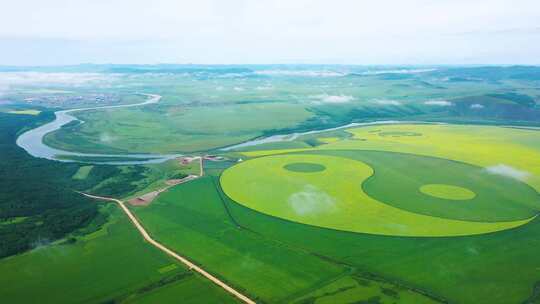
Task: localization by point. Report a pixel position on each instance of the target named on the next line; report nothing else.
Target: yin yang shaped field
(365, 186)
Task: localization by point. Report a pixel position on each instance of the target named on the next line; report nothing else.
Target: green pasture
(191, 290)
(199, 113)
(354, 289)
(168, 129)
(192, 219)
(113, 263)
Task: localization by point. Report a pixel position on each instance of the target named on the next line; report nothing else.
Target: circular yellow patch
(448, 192)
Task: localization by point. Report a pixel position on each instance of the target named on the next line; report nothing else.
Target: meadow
(169, 129)
(60, 247)
(98, 267)
(192, 219)
(208, 108)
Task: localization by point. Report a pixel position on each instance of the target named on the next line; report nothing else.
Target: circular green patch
(448, 192)
(399, 133)
(304, 167)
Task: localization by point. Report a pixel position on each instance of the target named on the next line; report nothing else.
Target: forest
(39, 202)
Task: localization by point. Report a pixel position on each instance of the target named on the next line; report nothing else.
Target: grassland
(191, 218)
(202, 110)
(282, 261)
(168, 129)
(354, 289)
(195, 219)
(112, 263)
(191, 290)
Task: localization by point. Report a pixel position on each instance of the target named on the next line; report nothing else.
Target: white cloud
(272, 31)
(387, 102)
(508, 171)
(301, 73)
(40, 78)
(325, 98)
(439, 103)
(106, 138)
(477, 106)
(402, 71)
(312, 201)
(238, 89)
(4, 89)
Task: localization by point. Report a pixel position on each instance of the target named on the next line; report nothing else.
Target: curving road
(171, 253)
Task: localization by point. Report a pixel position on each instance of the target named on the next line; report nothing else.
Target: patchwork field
(441, 209)
(99, 268)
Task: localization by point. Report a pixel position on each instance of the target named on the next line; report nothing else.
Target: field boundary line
(171, 253)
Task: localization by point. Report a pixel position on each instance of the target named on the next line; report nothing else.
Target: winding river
(294, 136)
(32, 140)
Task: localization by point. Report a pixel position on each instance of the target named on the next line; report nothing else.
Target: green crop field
(488, 175)
(352, 287)
(98, 267)
(191, 290)
(472, 269)
(192, 219)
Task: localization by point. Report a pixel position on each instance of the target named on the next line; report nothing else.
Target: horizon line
(279, 64)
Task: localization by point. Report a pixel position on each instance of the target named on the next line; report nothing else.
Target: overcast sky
(38, 32)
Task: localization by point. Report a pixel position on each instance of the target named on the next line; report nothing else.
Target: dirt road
(171, 253)
(201, 166)
(147, 198)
